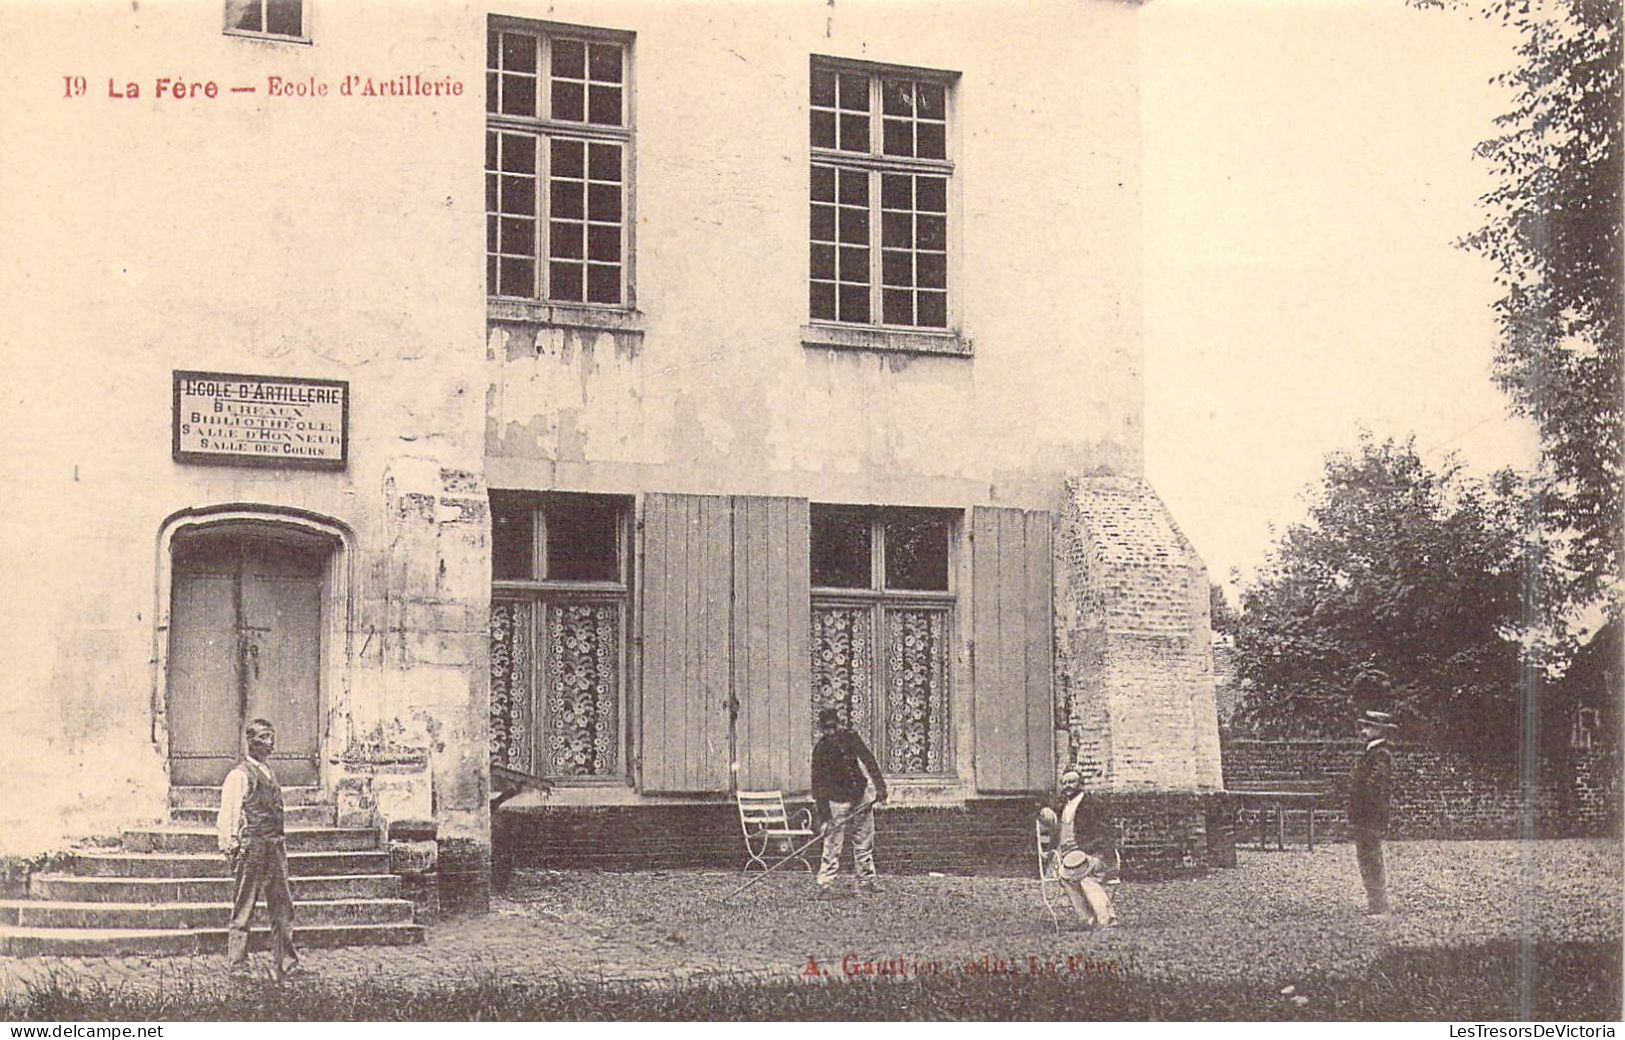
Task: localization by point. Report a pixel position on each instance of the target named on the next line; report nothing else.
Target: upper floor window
(878, 234)
(280, 18)
(557, 160)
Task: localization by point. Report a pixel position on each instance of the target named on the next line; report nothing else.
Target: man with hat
(1368, 805)
(1081, 872)
(840, 761)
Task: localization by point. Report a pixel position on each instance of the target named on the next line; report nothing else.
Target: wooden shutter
(686, 616)
(1013, 630)
(773, 733)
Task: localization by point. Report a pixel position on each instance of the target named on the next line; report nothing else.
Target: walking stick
(802, 848)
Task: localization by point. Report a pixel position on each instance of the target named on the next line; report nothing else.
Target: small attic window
(277, 19)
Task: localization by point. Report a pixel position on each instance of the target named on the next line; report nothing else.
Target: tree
(1407, 590)
(1553, 230)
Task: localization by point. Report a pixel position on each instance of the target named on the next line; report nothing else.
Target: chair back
(762, 811)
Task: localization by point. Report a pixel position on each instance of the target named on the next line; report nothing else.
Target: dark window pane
(932, 270)
(569, 159)
(855, 226)
(284, 17)
(516, 277)
(564, 281)
(491, 276)
(604, 243)
(490, 234)
(248, 14)
(823, 129)
(929, 100)
(823, 223)
(513, 537)
(493, 49)
(583, 537)
(855, 265)
(933, 310)
(823, 183)
(839, 547)
(823, 88)
(570, 59)
(899, 138)
(518, 95)
(854, 303)
(604, 62)
(897, 307)
(855, 92)
(492, 88)
(897, 97)
(917, 551)
(518, 52)
(896, 229)
(519, 236)
(491, 151)
(931, 194)
(821, 301)
(932, 141)
(518, 153)
(604, 162)
(564, 240)
(854, 188)
(931, 232)
(604, 106)
(896, 191)
(493, 194)
(854, 133)
(518, 195)
(603, 283)
(566, 200)
(822, 262)
(604, 201)
(896, 268)
(568, 102)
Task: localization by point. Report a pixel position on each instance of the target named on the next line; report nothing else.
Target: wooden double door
(244, 642)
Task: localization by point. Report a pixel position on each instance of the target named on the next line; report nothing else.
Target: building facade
(798, 366)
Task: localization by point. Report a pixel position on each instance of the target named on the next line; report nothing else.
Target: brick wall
(1441, 793)
(1162, 834)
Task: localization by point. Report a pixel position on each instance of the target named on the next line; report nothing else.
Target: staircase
(167, 889)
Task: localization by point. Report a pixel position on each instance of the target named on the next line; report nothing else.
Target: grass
(1566, 981)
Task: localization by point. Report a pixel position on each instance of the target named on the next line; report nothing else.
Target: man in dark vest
(1368, 806)
(251, 837)
(840, 761)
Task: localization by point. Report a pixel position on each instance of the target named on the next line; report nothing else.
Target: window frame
(545, 129)
(877, 599)
(304, 35)
(540, 592)
(877, 333)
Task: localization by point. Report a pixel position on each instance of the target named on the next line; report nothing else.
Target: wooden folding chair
(766, 826)
(1049, 872)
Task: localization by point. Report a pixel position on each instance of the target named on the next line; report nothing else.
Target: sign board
(260, 420)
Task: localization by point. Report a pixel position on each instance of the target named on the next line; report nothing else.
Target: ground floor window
(882, 624)
(558, 633)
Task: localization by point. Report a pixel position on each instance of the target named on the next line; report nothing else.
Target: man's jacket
(1368, 794)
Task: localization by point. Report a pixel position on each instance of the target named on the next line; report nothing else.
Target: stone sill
(565, 316)
(885, 341)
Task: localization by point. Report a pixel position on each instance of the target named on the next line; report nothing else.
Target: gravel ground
(1280, 918)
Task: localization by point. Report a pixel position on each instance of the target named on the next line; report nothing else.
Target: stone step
(71, 889)
(203, 839)
(209, 797)
(295, 816)
(109, 863)
(39, 913)
(110, 942)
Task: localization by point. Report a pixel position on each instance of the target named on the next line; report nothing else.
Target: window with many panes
(283, 19)
(559, 597)
(878, 236)
(882, 624)
(558, 146)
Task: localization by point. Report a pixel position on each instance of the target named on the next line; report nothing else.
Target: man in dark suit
(1368, 806)
(843, 772)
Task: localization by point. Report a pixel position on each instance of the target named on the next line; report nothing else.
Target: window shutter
(686, 617)
(771, 632)
(1012, 625)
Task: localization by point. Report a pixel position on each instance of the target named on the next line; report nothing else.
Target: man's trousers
(860, 826)
(262, 866)
(1368, 852)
